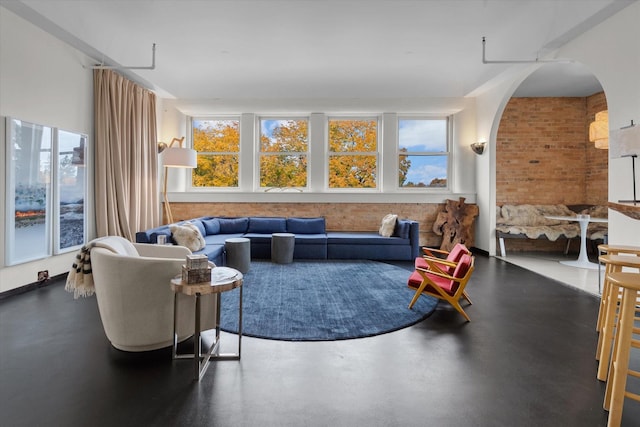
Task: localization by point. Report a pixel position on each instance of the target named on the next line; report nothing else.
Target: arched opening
(546, 165)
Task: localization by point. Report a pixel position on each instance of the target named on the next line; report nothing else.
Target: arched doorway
(544, 157)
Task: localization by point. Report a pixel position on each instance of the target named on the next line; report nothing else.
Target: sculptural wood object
(456, 224)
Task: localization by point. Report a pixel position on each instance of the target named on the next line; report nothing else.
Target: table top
(222, 279)
(576, 218)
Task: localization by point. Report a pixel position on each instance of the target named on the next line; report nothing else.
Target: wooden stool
(611, 250)
(609, 306)
(617, 382)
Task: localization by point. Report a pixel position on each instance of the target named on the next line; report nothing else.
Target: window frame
(259, 153)
(448, 153)
(238, 153)
(378, 152)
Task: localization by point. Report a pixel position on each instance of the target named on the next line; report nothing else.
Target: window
(283, 153)
(353, 153)
(217, 142)
(423, 153)
(71, 190)
(46, 186)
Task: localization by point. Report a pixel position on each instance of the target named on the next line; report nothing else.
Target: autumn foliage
(353, 157)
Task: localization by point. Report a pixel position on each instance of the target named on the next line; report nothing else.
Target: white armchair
(135, 300)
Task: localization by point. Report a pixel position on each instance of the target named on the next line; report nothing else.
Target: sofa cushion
(311, 239)
(402, 228)
(211, 225)
(233, 225)
(212, 252)
(306, 225)
(263, 238)
(188, 235)
(264, 225)
(362, 238)
(388, 224)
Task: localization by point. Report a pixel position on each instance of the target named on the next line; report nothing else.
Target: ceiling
(318, 49)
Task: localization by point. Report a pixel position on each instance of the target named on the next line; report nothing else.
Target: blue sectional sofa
(312, 241)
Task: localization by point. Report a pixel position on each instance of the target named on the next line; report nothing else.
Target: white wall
(610, 50)
(42, 81)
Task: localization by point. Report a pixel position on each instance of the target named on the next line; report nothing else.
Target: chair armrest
(435, 264)
(430, 251)
(440, 261)
(162, 251)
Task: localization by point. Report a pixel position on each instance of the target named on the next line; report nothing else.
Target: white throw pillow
(388, 224)
(189, 236)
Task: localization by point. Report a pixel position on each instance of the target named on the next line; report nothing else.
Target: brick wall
(339, 216)
(543, 156)
(543, 153)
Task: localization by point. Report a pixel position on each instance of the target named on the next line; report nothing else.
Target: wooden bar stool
(611, 250)
(610, 302)
(624, 341)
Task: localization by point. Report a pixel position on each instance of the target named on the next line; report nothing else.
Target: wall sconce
(478, 147)
(599, 130)
(175, 157)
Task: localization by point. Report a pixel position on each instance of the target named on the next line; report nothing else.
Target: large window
(423, 152)
(71, 190)
(46, 187)
(283, 153)
(217, 142)
(353, 153)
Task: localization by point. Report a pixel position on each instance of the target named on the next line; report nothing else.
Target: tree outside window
(217, 142)
(423, 153)
(353, 153)
(283, 153)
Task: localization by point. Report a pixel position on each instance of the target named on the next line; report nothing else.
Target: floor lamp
(175, 157)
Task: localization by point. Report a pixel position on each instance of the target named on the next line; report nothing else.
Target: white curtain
(126, 159)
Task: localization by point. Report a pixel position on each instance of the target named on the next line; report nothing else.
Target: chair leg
(606, 339)
(460, 310)
(464, 294)
(417, 295)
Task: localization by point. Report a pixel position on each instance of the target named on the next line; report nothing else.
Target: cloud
(421, 135)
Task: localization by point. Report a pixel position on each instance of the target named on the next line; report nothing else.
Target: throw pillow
(189, 236)
(388, 224)
(198, 224)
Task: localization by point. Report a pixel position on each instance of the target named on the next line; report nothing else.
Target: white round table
(583, 220)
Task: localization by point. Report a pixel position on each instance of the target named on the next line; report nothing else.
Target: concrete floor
(526, 359)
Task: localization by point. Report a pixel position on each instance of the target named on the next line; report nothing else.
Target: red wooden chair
(438, 284)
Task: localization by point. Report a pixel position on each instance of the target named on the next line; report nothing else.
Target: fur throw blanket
(532, 221)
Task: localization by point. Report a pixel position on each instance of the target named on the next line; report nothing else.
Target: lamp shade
(599, 130)
(178, 157)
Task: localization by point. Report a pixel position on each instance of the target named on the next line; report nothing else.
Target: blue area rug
(323, 301)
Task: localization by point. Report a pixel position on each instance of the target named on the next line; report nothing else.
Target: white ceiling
(351, 49)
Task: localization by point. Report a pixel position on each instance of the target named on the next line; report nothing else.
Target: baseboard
(478, 251)
(31, 286)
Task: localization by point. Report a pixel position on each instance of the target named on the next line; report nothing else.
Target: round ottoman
(282, 247)
(238, 251)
